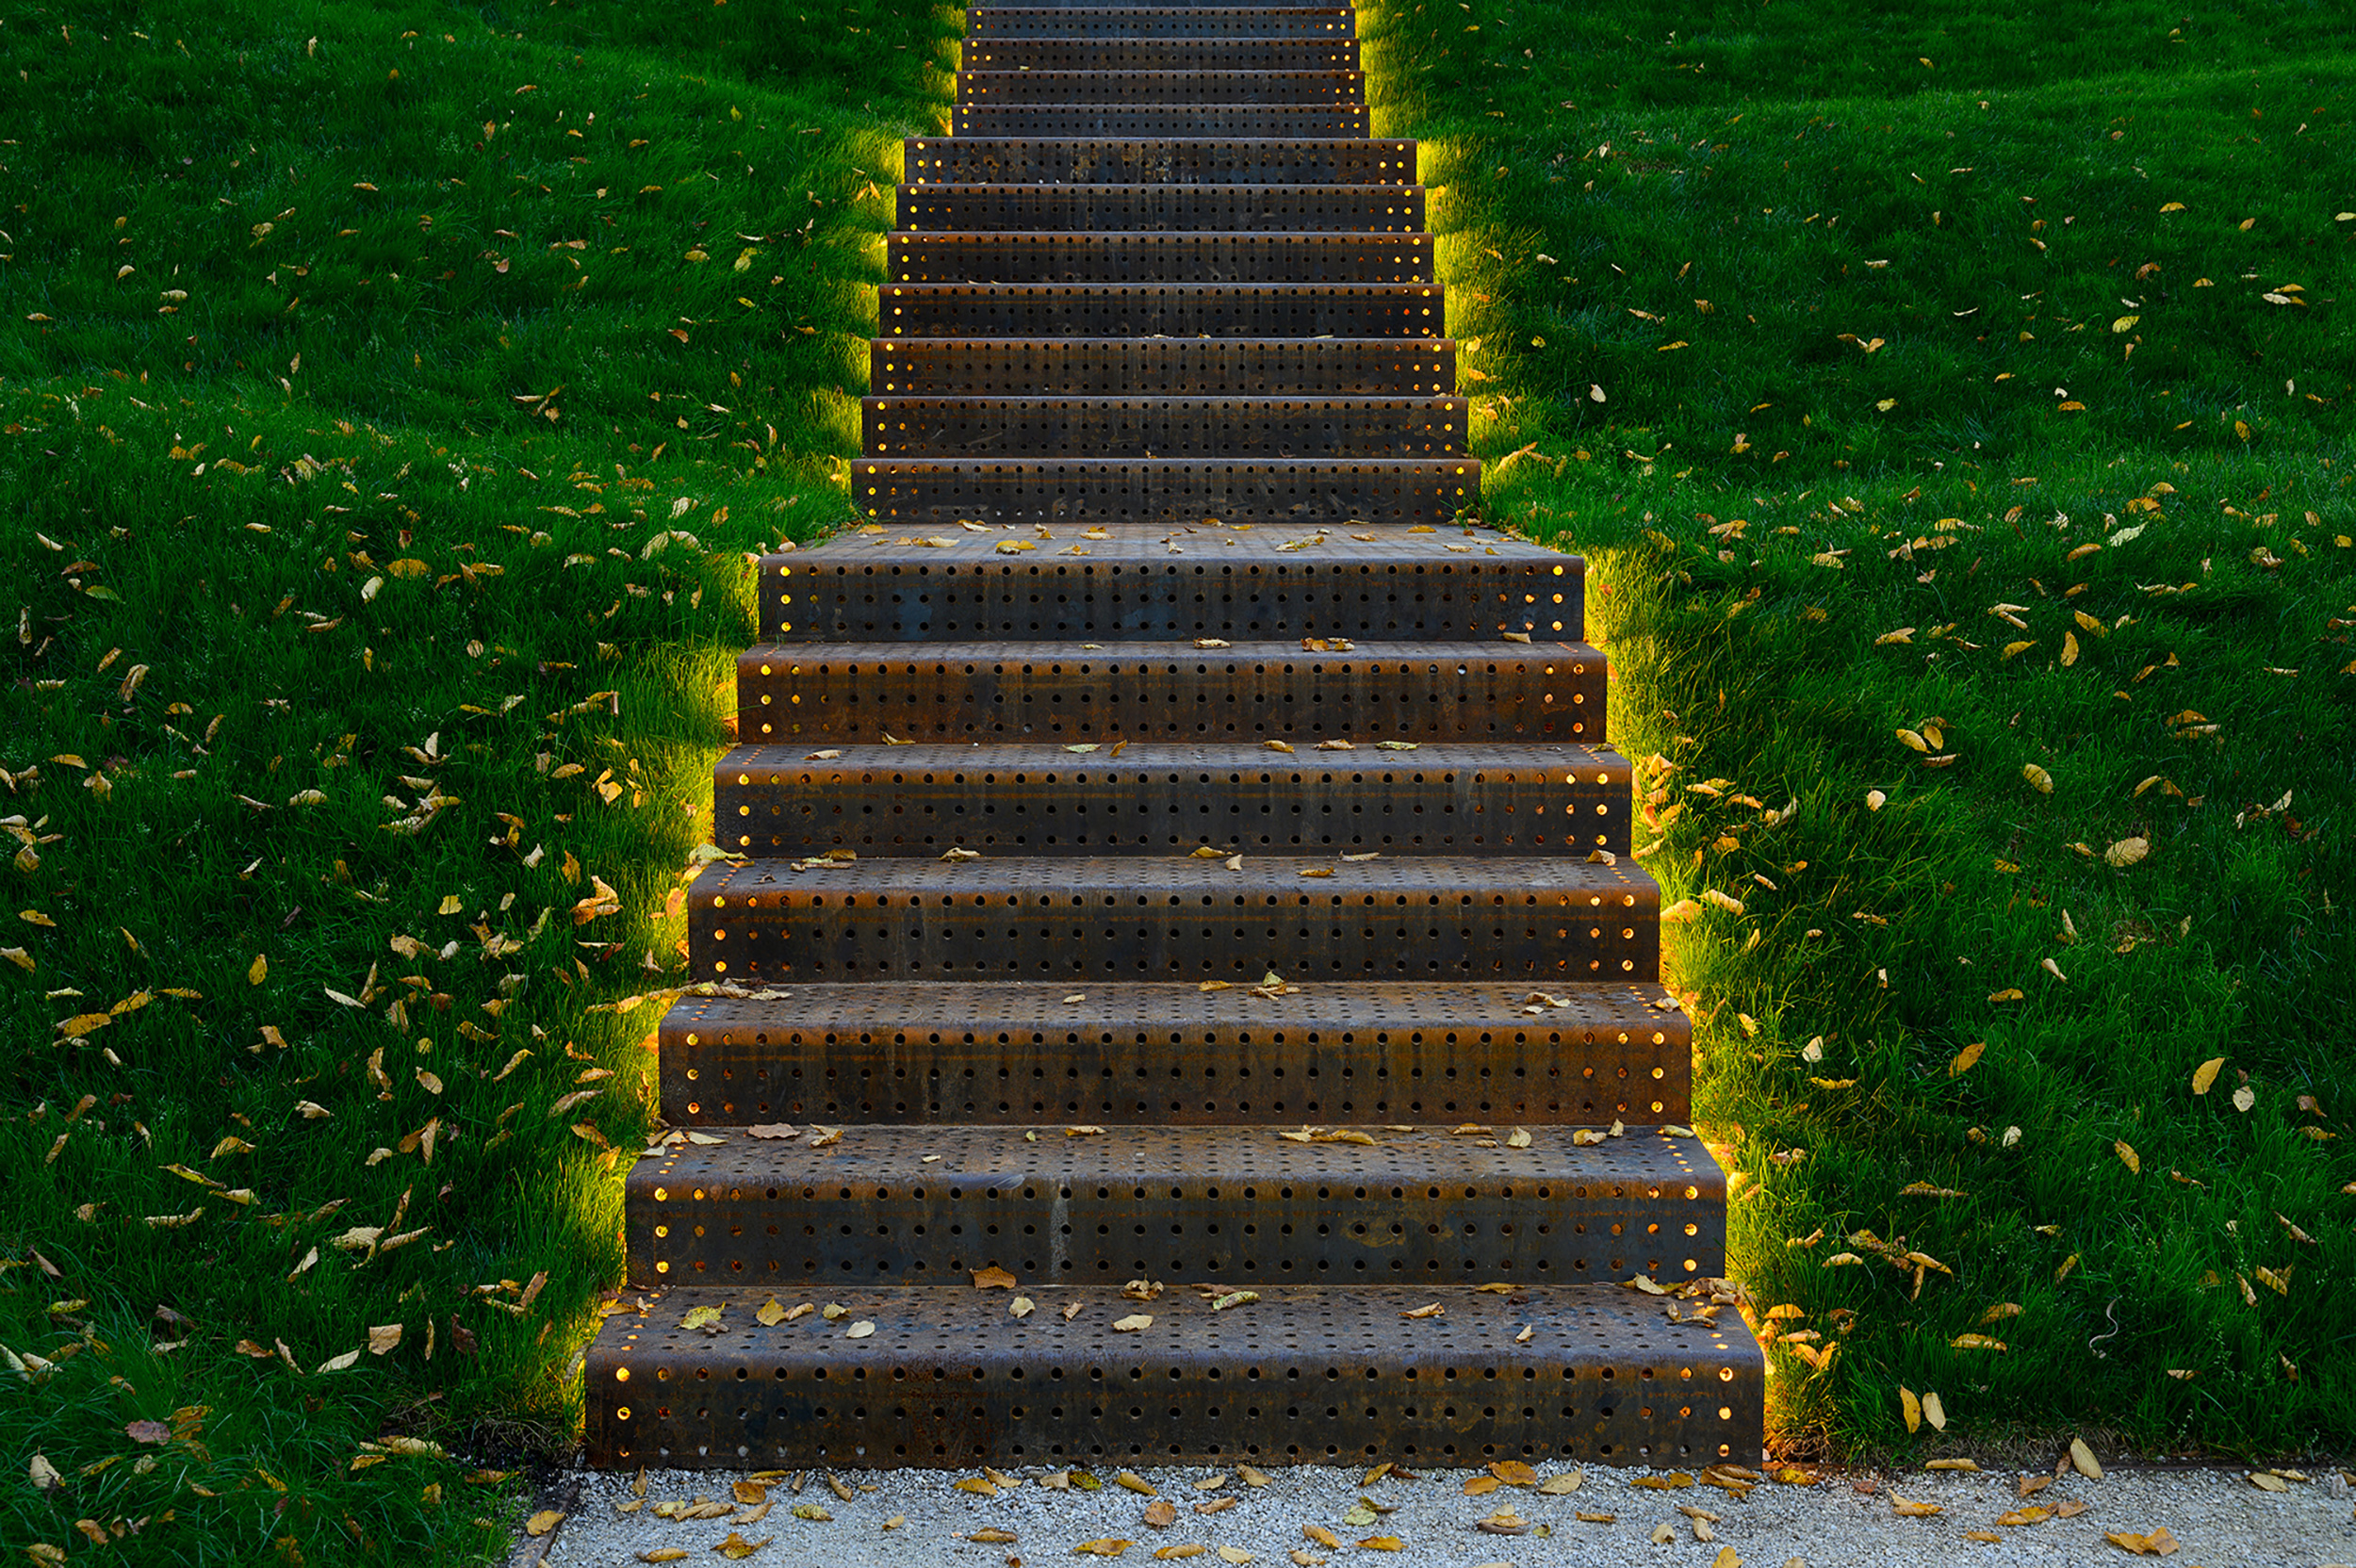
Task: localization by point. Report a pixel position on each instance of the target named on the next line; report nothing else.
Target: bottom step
(947, 1376)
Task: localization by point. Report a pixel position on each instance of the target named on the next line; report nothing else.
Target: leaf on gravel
(812, 1511)
(542, 1522)
(1676, 1480)
(1234, 1553)
(1134, 1323)
(749, 1493)
(1383, 1544)
(1161, 1513)
(1480, 1486)
(1361, 1514)
(1598, 1518)
(1913, 1511)
(1561, 1485)
(976, 1485)
(992, 1278)
(2158, 1543)
(1513, 1472)
(1254, 1478)
(1130, 1480)
(992, 1535)
(1968, 1466)
(1108, 1547)
(1726, 1559)
(1322, 1536)
(1174, 1554)
(664, 1554)
(736, 1548)
(2021, 1516)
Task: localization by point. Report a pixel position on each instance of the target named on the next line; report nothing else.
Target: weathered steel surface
(1550, 922)
(1142, 691)
(1366, 1052)
(1172, 492)
(948, 426)
(1240, 20)
(1163, 208)
(1151, 583)
(1104, 365)
(1159, 258)
(1167, 799)
(1304, 1375)
(1233, 1203)
(1166, 161)
(1130, 120)
(1161, 310)
(1163, 89)
(1158, 56)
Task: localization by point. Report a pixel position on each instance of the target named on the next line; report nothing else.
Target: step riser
(1160, 310)
(849, 1225)
(938, 492)
(835, 1057)
(1161, 208)
(1005, 160)
(1164, 427)
(1111, 366)
(1192, 258)
(1240, 121)
(1200, 21)
(1318, 89)
(790, 694)
(770, 803)
(1198, 56)
(1337, 1378)
(810, 600)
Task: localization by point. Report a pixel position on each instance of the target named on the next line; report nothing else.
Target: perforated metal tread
(1165, 427)
(1166, 799)
(791, 693)
(1239, 1204)
(1162, 88)
(1164, 161)
(1176, 1055)
(1181, 583)
(1198, 55)
(935, 491)
(1101, 365)
(1451, 918)
(1304, 1375)
(1159, 258)
(995, 22)
(1168, 208)
(1118, 120)
(1161, 310)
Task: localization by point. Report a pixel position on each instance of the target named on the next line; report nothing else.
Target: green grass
(1802, 542)
(388, 396)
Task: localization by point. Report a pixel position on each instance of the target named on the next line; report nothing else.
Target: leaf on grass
(2205, 1076)
(1966, 1058)
(2128, 1157)
(1935, 1412)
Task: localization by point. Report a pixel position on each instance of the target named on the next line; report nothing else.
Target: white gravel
(1845, 1519)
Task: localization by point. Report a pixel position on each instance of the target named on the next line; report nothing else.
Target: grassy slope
(288, 509)
(1746, 482)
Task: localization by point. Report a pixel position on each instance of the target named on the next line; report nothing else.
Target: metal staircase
(1182, 877)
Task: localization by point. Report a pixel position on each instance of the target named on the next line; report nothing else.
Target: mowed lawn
(388, 396)
(1953, 402)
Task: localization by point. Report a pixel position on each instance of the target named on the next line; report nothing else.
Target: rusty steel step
(832, 694)
(1241, 21)
(1156, 56)
(1309, 1375)
(1163, 208)
(1161, 310)
(927, 1052)
(929, 492)
(1168, 160)
(1242, 1205)
(1157, 798)
(1239, 585)
(1164, 427)
(1453, 918)
(1133, 120)
(1258, 368)
(1159, 258)
(1162, 88)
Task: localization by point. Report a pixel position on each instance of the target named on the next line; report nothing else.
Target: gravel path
(919, 1519)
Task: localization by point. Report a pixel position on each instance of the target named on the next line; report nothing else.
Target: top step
(1162, 22)
(1159, 54)
(1160, 160)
